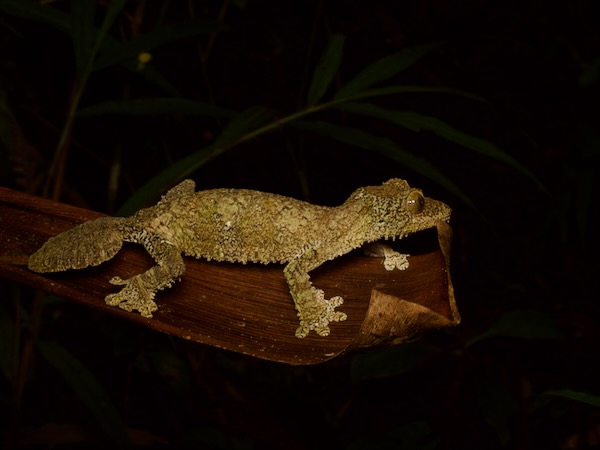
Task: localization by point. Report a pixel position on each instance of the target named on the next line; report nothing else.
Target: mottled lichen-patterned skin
(239, 225)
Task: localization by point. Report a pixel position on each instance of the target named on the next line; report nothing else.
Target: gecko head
(88, 244)
(397, 210)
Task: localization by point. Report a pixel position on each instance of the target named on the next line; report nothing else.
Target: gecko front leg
(139, 291)
(314, 311)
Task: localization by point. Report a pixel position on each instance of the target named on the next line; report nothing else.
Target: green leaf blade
(244, 126)
(88, 390)
(82, 26)
(521, 324)
(32, 10)
(154, 107)
(326, 69)
(578, 396)
(407, 89)
(418, 122)
(386, 147)
(390, 362)
(115, 53)
(383, 69)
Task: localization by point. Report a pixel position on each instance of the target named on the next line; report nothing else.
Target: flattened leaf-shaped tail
(88, 244)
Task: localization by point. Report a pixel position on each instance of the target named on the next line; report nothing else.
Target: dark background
(524, 257)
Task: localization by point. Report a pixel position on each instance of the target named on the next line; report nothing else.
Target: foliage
(96, 50)
(520, 154)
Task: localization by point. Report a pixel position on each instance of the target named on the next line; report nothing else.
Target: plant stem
(57, 167)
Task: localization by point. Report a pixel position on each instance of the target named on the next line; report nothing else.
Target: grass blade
(578, 396)
(114, 8)
(151, 75)
(408, 89)
(386, 147)
(326, 69)
(383, 69)
(154, 107)
(88, 390)
(32, 10)
(82, 26)
(419, 122)
(118, 53)
(521, 324)
(87, 39)
(240, 129)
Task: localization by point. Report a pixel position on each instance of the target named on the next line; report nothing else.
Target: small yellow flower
(143, 59)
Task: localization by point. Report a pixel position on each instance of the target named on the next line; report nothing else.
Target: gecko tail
(88, 244)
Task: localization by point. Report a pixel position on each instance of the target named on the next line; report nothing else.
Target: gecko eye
(415, 202)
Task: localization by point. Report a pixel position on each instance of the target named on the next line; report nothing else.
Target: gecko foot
(318, 313)
(392, 259)
(133, 297)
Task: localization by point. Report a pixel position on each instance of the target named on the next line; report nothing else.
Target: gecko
(240, 225)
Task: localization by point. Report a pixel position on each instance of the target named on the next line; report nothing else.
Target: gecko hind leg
(135, 296)
(139, 291)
